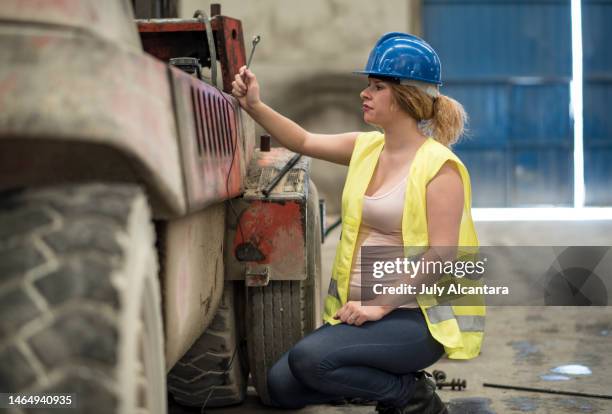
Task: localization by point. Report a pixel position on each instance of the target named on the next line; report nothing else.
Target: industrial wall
(508, 61)
(305, 59)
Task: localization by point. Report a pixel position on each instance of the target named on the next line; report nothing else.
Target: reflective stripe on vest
(333, 288)
(471, 323)
(439, 313)
(467, 323)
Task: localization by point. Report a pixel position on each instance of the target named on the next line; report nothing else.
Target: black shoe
(423, 401)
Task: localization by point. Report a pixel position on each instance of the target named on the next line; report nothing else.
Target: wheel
(79, 298)
(200, 377)
(280, 314)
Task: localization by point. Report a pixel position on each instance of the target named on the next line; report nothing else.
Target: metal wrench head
(256, 40)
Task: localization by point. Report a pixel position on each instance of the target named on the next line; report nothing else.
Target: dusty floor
(522, 345)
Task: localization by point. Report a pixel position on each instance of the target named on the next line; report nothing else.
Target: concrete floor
(522, 344)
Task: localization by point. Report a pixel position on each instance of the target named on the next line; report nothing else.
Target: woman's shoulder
(440, 151)
(436, 155)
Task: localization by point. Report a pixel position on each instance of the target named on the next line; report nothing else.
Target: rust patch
(277, 231)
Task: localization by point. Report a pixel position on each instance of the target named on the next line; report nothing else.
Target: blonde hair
(442, 117)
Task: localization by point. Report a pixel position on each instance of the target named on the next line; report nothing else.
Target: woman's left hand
(353, 313)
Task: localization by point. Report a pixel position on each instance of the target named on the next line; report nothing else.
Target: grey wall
(305, 59)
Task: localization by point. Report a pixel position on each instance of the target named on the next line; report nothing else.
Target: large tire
(213, 372)
(79, 298)
(280, 314)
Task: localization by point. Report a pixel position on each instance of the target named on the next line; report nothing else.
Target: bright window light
(576, 103)
(578, 212)
(542, 214)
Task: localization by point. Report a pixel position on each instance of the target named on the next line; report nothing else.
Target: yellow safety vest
(458, 327)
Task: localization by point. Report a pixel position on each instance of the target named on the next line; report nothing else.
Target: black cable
(200, 14)
(333, 226)
(229, 201)
(237, 123)
(234, 145)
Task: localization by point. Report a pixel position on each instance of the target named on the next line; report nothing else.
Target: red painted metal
(208, 123)
(230, 45)
(119, 114)
(171, 25)
(277, 230)
(211, 145)
(271, 233)
(170, 38)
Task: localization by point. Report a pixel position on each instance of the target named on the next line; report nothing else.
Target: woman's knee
(305, 364)
(282, 386)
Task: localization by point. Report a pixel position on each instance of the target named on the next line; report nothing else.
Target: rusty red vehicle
(147, 248)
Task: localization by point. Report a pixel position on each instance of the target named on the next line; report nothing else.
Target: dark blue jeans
(374, 361)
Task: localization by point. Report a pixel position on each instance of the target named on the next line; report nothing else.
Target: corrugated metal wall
(597, 52)
(509, 63)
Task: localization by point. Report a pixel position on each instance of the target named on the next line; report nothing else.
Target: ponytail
(442, 117)
(448, 121)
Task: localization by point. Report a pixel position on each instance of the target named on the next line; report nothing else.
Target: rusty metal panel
(170, 38)
(247, 125)
(62, 86)
(264, 167)
(277, 231)
(213, 138)
(111, 20)
(269, 233)
(230, 45)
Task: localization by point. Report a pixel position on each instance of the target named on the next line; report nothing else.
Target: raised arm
(335, 148)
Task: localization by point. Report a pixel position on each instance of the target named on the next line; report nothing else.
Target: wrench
(256, 40)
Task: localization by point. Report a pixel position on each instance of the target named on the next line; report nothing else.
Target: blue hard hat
(403, 56)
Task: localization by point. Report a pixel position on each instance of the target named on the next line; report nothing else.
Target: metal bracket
(322, 214)
(257, 275)
(212, 50)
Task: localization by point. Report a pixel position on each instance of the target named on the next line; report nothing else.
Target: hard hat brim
(387, 75)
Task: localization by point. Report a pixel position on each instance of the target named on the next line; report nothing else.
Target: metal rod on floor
(547, 391)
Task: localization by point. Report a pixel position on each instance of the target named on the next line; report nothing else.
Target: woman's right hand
(336, 148)
(245, 88)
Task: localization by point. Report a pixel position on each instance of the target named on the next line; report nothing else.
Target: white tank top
(381, 225)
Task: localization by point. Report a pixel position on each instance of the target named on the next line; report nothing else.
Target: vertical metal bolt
(264, 143)
(322, 215)
(215, 9)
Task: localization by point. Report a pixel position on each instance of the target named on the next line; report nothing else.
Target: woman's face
(377, 102)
